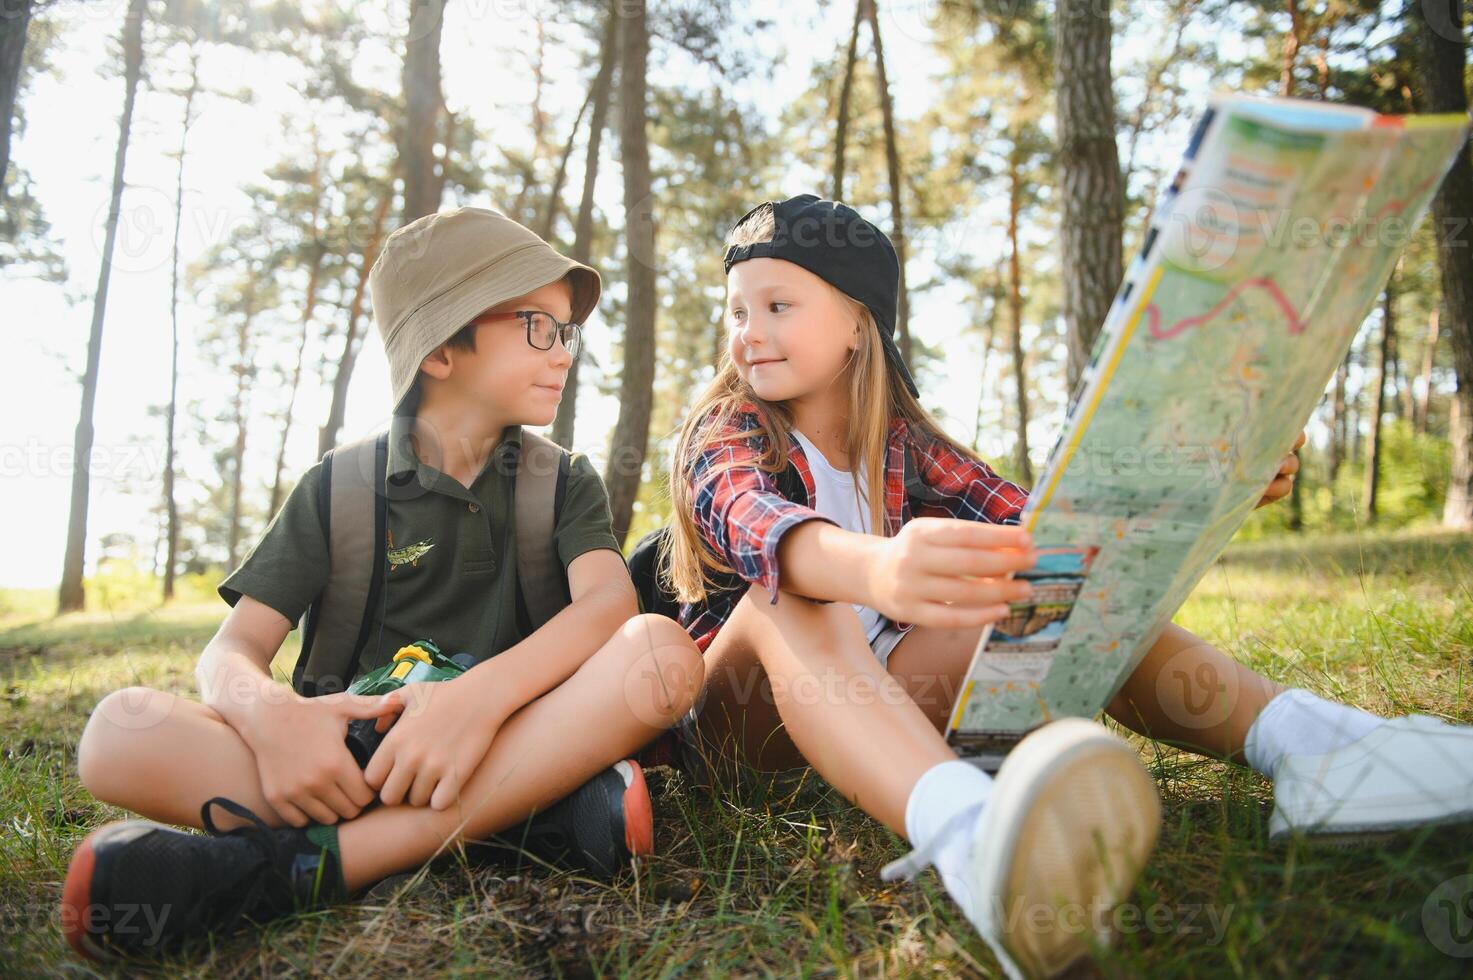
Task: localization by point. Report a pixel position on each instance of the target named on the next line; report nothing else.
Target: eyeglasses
(543, 329)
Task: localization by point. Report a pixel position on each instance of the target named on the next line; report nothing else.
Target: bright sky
(68, 149)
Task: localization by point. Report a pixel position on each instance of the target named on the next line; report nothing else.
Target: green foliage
(1414, 472)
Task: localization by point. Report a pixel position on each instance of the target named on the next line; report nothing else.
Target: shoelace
(921, 858)
(258, 835)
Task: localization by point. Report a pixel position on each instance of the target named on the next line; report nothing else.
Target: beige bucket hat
(438, 272)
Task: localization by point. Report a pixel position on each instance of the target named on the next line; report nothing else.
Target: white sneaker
(1406, 772)
(1069, 823)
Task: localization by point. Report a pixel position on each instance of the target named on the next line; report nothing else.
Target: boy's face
(789, 333)
(505, 376)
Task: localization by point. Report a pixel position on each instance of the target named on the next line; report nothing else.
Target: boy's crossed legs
(164, 756)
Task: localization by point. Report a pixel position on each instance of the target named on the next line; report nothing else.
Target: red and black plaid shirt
(742, 513)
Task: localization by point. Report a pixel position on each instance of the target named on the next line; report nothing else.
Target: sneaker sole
(76, 892)
(1075, 802)
(639, 818)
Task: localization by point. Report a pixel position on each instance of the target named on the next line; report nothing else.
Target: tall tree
(867, 11)
(171, 414)
(71, 595)
(897, 178)
(632, 430)
(1015, 306)
(1424, 384)
(841, 130)
(1441, 70)
(327, 436)
(567, 410)
(1089, 173)
(1378, 400)
(424, 105)
(311, 253)
(14, 20)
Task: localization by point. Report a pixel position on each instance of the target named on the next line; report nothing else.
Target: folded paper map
(1261, 261)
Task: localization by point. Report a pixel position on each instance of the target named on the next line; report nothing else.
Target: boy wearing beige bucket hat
(480, 320)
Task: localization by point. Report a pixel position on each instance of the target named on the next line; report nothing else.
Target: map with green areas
(1276, 237)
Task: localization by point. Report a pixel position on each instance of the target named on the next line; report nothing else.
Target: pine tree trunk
(1440, 69)
(1296, 504)
(841, 129)
(424, 183)
(1015, 313)
(1291, 50)
(71, 595)
(892, 165)
(1424, 388)
(1337, 420)
(239, 413)
(327, 436)
(171, 505)
(548, 223)
(13, 26)
(1457, 508)
(1378, 403)
(988, 336)
(309, 306)
(567, 410)
(1089, 174)
(636, 388)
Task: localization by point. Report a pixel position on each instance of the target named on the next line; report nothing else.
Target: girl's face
(790, 333)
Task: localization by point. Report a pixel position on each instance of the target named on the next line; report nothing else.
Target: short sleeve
(287, 569)
(584, 523)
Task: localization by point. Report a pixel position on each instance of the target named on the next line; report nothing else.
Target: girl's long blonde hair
(875, 396)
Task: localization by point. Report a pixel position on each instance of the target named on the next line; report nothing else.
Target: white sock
(942, 792)
(1298, 721)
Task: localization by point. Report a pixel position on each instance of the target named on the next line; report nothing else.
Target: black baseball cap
(832, 241)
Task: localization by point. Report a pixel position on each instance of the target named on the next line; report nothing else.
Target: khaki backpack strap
(356, 508)
(539, 568)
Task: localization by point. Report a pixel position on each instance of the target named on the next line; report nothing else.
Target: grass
(764, 882)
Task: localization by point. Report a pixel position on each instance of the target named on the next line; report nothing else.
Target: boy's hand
(441, 736)
(948, 573)
(1283, 482)
(307, 773)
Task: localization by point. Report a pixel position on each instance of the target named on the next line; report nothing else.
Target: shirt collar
(403, 459)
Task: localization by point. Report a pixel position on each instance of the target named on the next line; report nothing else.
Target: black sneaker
(140, 887)
(595, 829)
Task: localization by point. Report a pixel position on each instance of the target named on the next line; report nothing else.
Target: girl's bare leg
(1185, 691)
(840, 710)
(1191, 694)
(163, 756)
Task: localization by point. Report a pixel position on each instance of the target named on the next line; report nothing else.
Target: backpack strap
(339, 622)
(541, 483)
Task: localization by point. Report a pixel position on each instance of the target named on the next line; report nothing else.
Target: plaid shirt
(742, 513)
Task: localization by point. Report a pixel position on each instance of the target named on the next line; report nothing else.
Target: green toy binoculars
(420, 661)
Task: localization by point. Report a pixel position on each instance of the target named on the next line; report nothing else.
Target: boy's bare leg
(1185, 691)
(847, 717)
(163, 756)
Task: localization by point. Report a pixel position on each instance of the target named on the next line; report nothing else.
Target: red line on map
(1263, 282)
(1398, 204)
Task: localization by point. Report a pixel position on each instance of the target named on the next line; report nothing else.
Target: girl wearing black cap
(808, 467)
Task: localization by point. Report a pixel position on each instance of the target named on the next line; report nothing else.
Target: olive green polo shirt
(452, 550)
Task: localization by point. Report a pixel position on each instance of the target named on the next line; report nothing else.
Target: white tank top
(834, 497)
